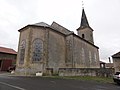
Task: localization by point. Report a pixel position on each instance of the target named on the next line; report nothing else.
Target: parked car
(116, 77)
(11, 68)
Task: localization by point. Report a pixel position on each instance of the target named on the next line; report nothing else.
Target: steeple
(85, 31)
(84, 21)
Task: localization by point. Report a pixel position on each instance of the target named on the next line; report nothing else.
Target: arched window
(95, 57)
(22, 51)
(90, 57)
(37, 51)
(83, 36)
(83, 55)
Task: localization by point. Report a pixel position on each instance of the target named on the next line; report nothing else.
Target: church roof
(55, 26)
(58, 28)
(41, 24)
(117, 55)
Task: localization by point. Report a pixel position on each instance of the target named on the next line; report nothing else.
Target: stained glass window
(37, 50)
(22, 52)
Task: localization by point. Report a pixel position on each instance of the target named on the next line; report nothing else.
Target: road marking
(12, 86)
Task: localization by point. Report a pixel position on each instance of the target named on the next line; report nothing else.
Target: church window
(90, 57)
(95, 57)
(83, 36)
(83, 55)
(91, 35)
(69, 50)
(37, 50)
(22, 51)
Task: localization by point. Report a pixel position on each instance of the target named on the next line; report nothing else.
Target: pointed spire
(84, 21)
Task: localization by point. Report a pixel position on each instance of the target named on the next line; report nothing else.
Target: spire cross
(82, 4)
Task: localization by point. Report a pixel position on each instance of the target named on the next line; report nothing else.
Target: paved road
(39, 83)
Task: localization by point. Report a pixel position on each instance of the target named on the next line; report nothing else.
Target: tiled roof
(40, 24)
(60, 28)
(117, 55)
(7, 50)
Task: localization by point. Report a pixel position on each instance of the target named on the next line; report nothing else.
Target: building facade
(7, 58)
(116, 61)
(43, 46)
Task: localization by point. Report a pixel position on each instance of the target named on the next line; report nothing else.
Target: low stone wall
(49, 72)
(24, 71)
(104, 72)
(101, 72)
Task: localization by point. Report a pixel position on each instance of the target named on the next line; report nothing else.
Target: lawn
(86, 78)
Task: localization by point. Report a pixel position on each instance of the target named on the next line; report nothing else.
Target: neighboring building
(7, 58)
(102, 64)
(43, 46)
(116, 61)
(109, 65)
(106, 65)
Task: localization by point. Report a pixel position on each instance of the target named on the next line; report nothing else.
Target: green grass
(86, 78)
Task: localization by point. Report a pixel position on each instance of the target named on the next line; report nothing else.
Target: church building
(42, 46)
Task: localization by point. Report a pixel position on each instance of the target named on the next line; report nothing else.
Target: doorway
(0, 64)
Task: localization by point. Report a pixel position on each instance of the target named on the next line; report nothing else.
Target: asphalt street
(43, 83)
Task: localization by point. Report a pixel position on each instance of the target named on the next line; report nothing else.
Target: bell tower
(85, 31)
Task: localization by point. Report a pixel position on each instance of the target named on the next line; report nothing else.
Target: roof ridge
(116, 54)
(41, 24)
(7, 50)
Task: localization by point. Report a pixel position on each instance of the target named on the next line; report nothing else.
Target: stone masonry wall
(28, 66)
(116, 62)
(86, 72)
(56, 50)
(81, 54)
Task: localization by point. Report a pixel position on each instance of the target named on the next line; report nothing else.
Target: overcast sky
(103, 16)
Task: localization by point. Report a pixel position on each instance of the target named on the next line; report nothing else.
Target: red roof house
(7, 58)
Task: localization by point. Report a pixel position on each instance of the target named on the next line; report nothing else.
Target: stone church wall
(56, 50)
(28, 66)
(22, 56)
(80, 54)
(89, 56)
(42, 48)
(24, 38)
(38, 34)
(93, 56)
(87, 34)
(69, 51)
